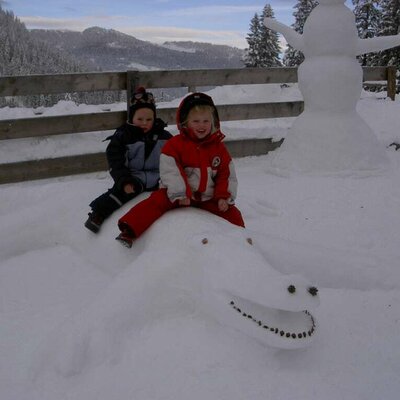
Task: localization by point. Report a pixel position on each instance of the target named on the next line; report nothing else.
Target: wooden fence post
(391, 82)
(132, 82)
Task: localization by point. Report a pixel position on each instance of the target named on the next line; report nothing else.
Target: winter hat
(192, 100)
(141, 99)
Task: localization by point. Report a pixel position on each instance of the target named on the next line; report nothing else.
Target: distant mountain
(25, 52)
(227, 53)
(110, 50)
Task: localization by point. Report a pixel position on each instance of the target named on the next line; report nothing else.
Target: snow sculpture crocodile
(216, 271)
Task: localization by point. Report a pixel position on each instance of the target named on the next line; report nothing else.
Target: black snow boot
(125, 238)
(94, 222)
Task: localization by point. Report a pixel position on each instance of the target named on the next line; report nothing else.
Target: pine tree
(368, 17)
(252, 57)
(390, 25)
(269, 42)
(21, 54)
(294, 57)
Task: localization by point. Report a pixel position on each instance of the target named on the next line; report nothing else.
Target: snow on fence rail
(98, 81)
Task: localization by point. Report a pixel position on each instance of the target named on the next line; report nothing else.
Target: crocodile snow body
(189, 264)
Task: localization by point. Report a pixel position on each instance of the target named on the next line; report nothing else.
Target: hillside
(38, 51)
(108, 49)
(27, 52)
(23, 54)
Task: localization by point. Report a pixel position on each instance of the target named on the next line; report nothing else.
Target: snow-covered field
(83, 318)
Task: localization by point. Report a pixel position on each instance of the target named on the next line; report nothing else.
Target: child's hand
(223, 205)
(129, 188)
(184, 202)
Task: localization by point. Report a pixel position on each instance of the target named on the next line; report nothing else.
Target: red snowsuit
(201, 170)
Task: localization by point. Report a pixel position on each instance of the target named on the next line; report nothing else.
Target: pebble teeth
(288, 335)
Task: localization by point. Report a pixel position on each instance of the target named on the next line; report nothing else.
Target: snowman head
(331, 1)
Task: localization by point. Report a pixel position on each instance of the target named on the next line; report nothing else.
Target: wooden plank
(95, 81)
(51, 168)
(62, 83)
(85, 163)
(251, 147)
(374, 73)
(239, 112)
(58, 125)
(216, 77)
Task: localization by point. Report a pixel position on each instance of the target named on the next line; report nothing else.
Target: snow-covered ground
(83, 318)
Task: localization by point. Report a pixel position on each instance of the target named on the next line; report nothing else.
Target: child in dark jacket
(133, 156)
(196, 170)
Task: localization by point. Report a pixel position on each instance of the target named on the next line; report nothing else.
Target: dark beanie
(141, 99)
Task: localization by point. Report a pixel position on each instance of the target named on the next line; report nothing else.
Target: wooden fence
(86, 123)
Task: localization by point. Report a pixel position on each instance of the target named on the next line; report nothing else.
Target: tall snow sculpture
(330, 136)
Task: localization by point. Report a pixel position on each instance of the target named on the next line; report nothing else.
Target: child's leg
(145, 213)
(233, 215)
(111, 201)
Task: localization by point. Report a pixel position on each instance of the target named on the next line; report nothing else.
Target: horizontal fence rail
(127, 81)
(62, 83)
(97, 81)
(86, 163)
(77, 123)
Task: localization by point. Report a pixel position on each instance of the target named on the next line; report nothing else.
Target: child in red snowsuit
(196, 170)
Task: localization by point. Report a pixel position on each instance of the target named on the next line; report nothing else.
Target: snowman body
(329, 136)
(330, 78)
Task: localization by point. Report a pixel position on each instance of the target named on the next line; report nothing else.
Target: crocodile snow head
(241, 290)
(229, 278)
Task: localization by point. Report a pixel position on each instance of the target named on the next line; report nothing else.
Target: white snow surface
(81, 317)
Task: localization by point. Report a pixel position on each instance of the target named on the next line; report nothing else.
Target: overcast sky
(214, 21)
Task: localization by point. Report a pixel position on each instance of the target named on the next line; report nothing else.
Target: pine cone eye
(313, 291)
(291, 289)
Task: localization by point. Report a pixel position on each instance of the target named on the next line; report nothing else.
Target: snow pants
(145, 213)
(112, 200)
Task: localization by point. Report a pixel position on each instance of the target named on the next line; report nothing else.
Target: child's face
(200, 122)
(143, 118)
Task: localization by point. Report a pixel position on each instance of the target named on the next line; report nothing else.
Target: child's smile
(200, 123)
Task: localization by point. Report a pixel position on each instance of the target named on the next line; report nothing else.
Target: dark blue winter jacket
(134, 156)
